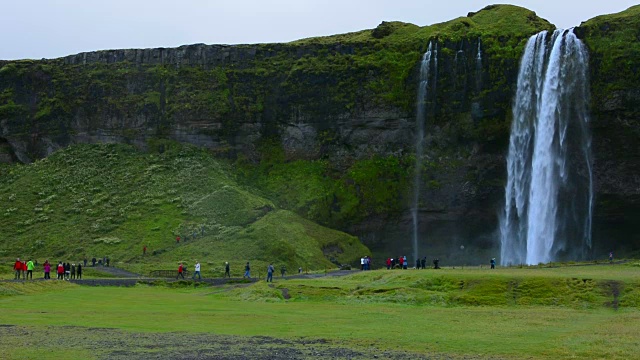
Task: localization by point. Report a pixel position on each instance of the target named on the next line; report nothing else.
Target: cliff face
(325, 126)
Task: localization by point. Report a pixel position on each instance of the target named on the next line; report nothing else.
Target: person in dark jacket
(247, 271)
(79, 271)
(227, 272)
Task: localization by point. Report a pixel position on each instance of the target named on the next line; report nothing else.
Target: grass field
(401, 314)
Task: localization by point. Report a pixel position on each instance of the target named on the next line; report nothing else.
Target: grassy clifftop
(614, 46)
(111, 200)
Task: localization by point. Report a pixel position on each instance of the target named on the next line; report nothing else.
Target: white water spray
(549, 192)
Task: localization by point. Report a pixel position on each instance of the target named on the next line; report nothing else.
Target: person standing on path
(180, 270)
(283, 270)
(611, 257)
(247, 271)
(30, 268)
(73, 271)
(67, 271)
(197, 271)
(47, 269)
(79, 271)
(23, 269)
(60, 271)
(270, 273)
(227, 273)
(17, 267)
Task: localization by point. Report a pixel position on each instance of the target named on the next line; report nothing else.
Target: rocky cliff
(325, 126)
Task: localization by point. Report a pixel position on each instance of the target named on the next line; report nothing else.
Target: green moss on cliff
(614, 47)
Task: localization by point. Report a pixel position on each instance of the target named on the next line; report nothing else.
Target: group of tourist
(65, 271)
(401, 262)
(365, 263)
(227, 271)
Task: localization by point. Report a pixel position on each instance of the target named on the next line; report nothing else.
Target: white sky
(53, 28)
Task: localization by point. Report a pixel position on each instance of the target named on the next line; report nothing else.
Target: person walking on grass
(180, 270)
(227, 273)
(270, 273)
(197, 271)
(493, 263)
(144, 250)
(79, 271)
(17, 267)
(247, 271)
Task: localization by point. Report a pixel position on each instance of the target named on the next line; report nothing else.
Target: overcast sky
(53, 28)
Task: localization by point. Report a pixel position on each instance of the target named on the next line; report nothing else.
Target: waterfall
(423, 88)
(479, 67)
(549, 191)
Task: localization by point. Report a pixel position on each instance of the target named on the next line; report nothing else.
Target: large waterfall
(423, 88)
(549, 191)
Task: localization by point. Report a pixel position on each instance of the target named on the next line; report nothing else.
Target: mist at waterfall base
(549, 193)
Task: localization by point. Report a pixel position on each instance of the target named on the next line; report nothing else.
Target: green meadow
(576, 312)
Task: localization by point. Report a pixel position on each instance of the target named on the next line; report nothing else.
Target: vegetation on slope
(111, 200)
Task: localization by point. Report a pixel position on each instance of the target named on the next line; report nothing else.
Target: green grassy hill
(111, 200)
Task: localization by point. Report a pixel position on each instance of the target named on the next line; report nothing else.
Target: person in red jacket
(23, 270)
(17, 267)
(60, 271)
(180, 269)
(388, 263)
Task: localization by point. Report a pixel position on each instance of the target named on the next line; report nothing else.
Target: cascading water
(549, 191)
(479, 67)
(423, 88)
